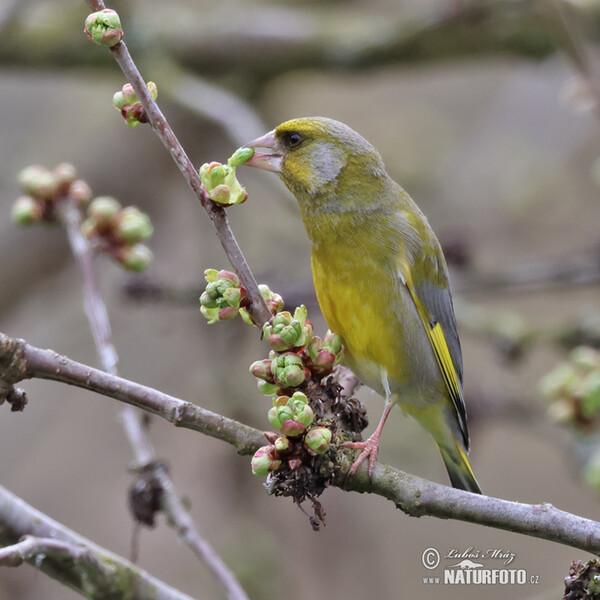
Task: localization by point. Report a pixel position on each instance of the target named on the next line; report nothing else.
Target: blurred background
(486, 112)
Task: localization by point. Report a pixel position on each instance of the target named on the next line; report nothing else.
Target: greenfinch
(381, 280)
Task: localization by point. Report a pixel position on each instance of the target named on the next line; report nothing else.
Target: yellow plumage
(380, 278)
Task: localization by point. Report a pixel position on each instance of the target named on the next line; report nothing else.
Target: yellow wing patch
(437, 339)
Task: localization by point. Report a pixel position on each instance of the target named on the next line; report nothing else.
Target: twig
(413, 495)
(30, 547)
(258, 309)
(91, 570)
(132, 418)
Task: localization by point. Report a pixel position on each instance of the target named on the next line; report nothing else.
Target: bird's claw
(370, 449)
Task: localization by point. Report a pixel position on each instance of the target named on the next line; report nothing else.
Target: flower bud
(305, 415)
(129, 95)
(262, 370)
(266, 388)
(288, 370)
(38, 182)
(64, 174)
(317, 440)
(211, 314)
(292, 428)
(26, 211)
(80, 192)
(133, 225)
(240, 156)
(221, 194)
(103, 210)
(153, 89)
(228, 313)
(282, 444)
(135, 258)
(274, 301)
(265, 460)
(273, 417)
(104, 27)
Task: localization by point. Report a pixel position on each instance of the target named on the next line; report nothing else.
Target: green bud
(298, 398)
(133, 225)
(80, 192)
(228, 313)
(207, 301)
(262, 370)
(284, 413)
(212, 314)
(119, 100)
(217, 174)
(211, 275)
(266, 388)
(288, 370)
(152, 89)
(292, 428)
(221, 194)
(559, 381)
(26, 211)
(274, 301)
(103, 210)
(282, 444)
(38, 182)
(305, 415)
(135, 258)
(265, 460)
(317, 440)
(240, 156)
(64, 174)
(585, 358)
(273, 417)
(246, 316)
(104, 27)
(129, 95)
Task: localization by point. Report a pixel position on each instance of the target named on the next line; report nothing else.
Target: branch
(71, 559)
(418, 497)
(413, 495)
(258, 309)
(19, 360)
(135, 430)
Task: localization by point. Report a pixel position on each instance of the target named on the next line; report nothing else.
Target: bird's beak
(269, 161)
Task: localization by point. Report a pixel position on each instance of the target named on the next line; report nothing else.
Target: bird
(380, 278)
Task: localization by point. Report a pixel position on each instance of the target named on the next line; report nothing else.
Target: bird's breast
(364, 301)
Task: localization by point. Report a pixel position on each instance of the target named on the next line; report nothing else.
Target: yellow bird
(381, 280)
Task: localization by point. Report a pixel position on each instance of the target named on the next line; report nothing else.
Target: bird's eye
(294, 139)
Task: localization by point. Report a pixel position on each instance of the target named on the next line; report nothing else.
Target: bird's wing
(433, 300)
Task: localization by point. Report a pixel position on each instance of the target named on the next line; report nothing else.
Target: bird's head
(317, 157)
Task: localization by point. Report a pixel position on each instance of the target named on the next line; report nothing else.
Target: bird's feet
(369, 447)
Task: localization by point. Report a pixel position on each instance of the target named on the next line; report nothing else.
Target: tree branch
(258, 309)
(413, 495)
(73, 560)
(133, 422)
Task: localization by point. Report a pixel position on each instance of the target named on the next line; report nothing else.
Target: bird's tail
(459, 470)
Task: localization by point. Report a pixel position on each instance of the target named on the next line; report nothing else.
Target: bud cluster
(104, 27)
(293, 417)
(130, 106)
(296, 354)
(119, 231)
(225, 297)
(574, 389)
(220, 181)
(44, 189)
